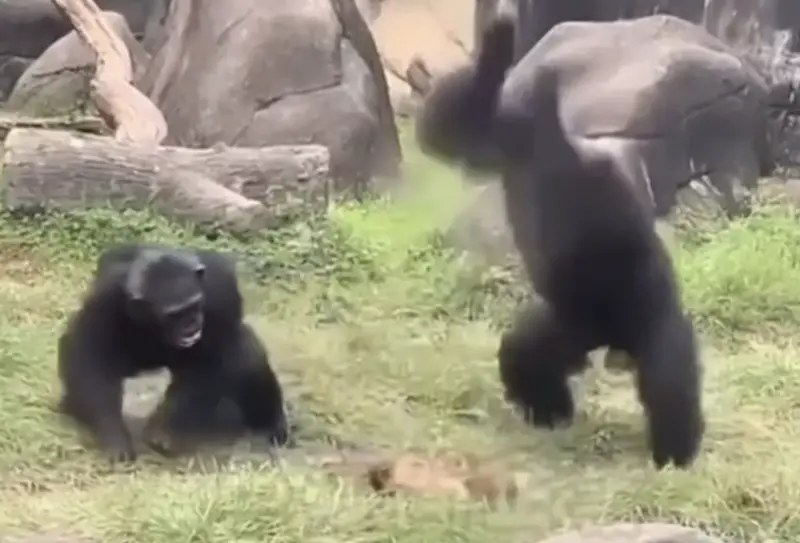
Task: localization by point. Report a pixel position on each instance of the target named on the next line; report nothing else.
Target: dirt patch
(448, 474)
(20, 262)
(236, 451)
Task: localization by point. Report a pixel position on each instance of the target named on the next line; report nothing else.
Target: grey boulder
(252, 73)
(664, 99)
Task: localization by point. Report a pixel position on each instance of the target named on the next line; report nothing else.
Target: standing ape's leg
(536, 357)
(669, 383)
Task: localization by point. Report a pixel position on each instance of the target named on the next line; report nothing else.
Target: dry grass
(373, 363)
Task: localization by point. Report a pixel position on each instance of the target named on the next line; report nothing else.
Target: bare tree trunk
(133, 115)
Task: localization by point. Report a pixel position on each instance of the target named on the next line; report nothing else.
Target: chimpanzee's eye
(189, 311)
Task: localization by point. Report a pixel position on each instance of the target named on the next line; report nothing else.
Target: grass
(385, 339)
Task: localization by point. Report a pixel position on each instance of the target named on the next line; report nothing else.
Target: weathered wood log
(52, 169)
(78, 123)
(133, 115)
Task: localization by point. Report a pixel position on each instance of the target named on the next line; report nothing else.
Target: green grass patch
(385, 338)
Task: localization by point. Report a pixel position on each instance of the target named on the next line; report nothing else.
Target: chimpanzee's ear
(200, 270)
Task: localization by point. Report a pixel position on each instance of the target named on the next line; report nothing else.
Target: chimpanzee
(151, 307)
(587, 240)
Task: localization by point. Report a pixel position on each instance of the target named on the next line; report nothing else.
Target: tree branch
(135, 118)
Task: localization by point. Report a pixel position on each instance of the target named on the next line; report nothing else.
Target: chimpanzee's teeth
(191, 340)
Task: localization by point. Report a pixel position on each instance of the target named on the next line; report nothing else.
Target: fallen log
(78, 123)
(238, 188)
(137, 176)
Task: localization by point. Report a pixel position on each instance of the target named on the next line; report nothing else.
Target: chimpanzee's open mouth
(185, 342)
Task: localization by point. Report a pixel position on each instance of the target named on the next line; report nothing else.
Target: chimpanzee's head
(165, 290)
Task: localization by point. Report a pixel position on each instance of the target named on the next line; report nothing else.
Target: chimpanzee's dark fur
(110, 338)
(587, 241)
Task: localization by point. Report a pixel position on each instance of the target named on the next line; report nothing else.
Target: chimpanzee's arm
(234, 370)
(257, 389)
(93, 393)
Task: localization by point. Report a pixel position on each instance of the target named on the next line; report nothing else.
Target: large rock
(748, 23)
(136, 12)
(764, 32)
(58, 81)
(664, 99)
(535, 18)
(265, 72)
(28, 27)
(11, 68)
